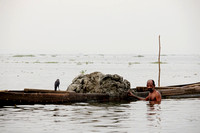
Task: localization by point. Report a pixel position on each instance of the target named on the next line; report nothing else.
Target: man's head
(150, 85)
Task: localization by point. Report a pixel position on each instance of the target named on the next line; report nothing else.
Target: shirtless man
(153, 97)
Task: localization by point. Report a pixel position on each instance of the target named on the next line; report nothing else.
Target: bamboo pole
(159, 62)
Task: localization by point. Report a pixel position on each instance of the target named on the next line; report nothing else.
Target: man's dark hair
(153, 82)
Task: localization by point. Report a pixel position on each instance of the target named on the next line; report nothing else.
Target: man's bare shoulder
(158, 95)
(158, 92)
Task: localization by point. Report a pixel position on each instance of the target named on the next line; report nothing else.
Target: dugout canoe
(47, 97)
(176, 91)
(42, 96)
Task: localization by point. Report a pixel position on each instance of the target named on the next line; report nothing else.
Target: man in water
(153, 97)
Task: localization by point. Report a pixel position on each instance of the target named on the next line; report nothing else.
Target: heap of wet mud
(97, 82)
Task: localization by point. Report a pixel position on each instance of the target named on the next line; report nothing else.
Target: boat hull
(19, 98)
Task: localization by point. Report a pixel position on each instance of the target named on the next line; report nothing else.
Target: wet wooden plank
(143, 88)
(185, 86)
(183, 96)
(29, 90)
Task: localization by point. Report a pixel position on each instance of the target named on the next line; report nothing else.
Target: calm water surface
(180, 115)
(40, 71)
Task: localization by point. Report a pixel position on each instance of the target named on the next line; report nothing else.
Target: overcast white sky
(100, 26)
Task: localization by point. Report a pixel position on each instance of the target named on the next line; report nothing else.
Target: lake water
(41, 70)
(180, 115)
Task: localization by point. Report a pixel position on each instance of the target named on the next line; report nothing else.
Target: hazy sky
(99, 26)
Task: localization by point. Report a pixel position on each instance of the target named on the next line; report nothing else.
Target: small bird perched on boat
(56, 84)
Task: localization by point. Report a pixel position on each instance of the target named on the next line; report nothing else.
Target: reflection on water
(74, 118)
(153, 116)
(169, 116)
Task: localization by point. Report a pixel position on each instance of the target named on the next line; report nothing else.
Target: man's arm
(140, 98)
(158, 96)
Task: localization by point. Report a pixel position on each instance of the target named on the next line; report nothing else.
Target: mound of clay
(96, 82)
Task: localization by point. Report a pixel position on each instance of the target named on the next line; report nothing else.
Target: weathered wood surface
(29, 90)
(15, 98)
(143, 88)
(41, 96)
(189, 86)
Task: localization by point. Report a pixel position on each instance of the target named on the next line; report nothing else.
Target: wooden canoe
(176, 91)
(41, 96)
(21, 97)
